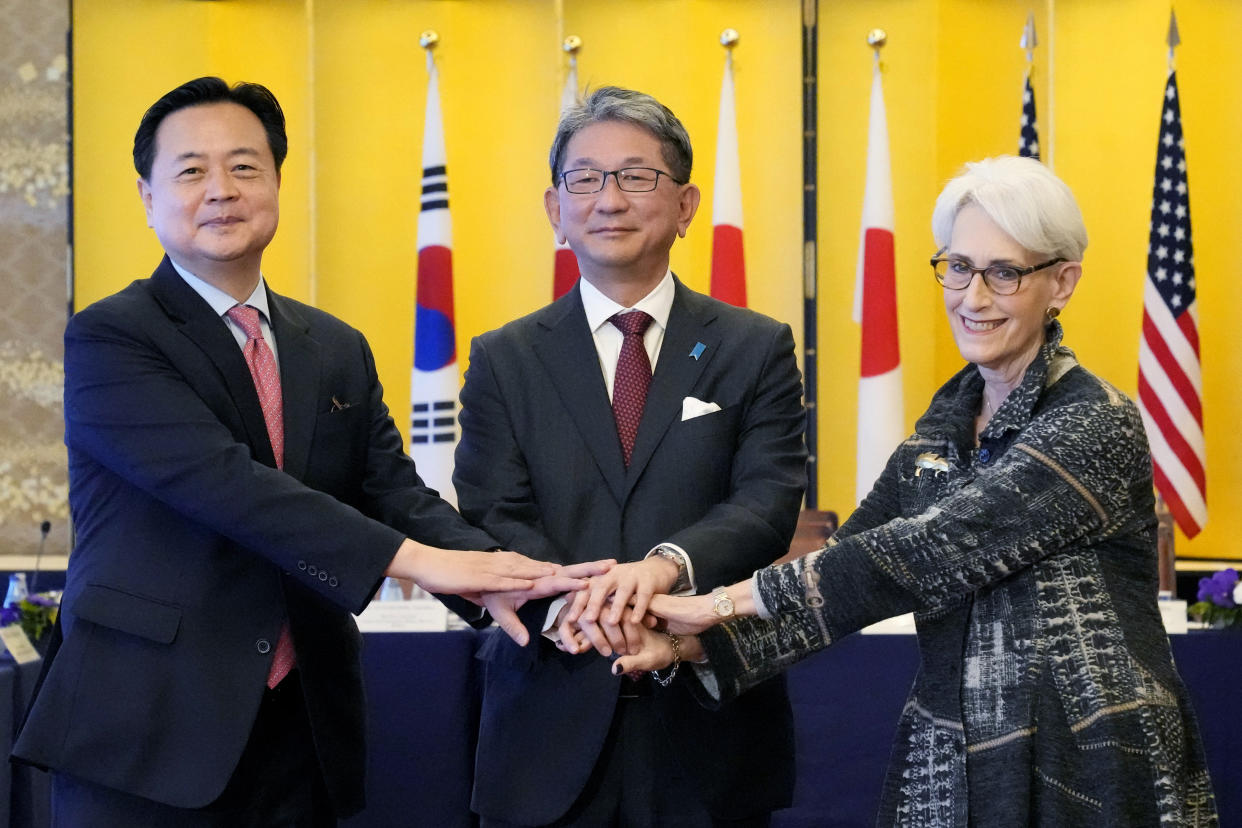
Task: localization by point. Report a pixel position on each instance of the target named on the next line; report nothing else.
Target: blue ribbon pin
(697, 350)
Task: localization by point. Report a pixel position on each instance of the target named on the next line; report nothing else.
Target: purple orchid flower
(1219, 588)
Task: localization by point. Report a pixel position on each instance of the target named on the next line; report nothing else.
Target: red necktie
(629, 388)
(266, 376)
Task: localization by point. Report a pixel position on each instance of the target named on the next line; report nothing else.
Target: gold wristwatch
(722, 604)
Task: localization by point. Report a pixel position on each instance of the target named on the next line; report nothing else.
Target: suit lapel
(566, 349)
(300, 365)
(676, 372)
(199, 323)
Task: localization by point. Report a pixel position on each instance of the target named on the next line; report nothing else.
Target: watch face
(723, 605)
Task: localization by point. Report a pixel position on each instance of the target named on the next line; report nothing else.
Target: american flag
(1028, 138)
(1170, 381)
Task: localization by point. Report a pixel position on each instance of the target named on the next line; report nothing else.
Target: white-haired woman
(1017, 524)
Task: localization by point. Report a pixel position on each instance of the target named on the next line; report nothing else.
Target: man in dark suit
(573, 448)
(238, 488)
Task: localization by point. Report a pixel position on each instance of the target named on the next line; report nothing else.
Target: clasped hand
(611, 612)
(641, 642)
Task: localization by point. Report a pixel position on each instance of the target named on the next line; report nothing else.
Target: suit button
(302, 565)
(263, 646)
(312, 571)
(332, 581)
(323, 576)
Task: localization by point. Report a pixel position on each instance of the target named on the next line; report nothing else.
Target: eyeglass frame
(616, 177)
(983, 271)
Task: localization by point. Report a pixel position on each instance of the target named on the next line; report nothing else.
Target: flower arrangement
(1220, 599)
(36, 613)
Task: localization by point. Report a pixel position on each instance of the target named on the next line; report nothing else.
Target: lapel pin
(697, 350)
(929, 460)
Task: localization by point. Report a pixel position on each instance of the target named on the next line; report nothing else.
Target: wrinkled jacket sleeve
(1062, 482)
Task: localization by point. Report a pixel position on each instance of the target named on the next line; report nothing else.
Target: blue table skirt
(846, 700)
(423, 699)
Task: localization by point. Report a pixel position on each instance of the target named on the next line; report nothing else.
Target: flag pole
(1029, 41)
(571, 46)
(1028, 131)
(1174, 38)
(428, 40)
(810, 222)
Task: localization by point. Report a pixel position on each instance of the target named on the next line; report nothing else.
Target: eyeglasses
(1003, 280)
(630, 179)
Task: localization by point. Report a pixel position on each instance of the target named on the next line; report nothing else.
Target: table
(423, 697)
(423, 702)
(846, 703)
(24, 792)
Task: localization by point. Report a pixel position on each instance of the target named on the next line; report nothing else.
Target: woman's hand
(655, 652)
(695, 613)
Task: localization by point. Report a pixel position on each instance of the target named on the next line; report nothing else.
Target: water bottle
(17, 589)
(391, 590)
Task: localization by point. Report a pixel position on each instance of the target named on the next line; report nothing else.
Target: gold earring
(1052, 313)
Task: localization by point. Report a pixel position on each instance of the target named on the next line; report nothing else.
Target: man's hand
(604, 637)
(624, 585)
(469, 573)
(462, 572)
(503, 606)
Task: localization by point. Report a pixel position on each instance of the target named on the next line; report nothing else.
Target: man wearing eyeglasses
(636, 419)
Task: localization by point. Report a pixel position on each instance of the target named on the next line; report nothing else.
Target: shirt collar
(599, 308)
(954, 407)
(220, 301)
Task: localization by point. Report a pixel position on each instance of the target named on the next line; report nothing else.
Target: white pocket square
(692, 407)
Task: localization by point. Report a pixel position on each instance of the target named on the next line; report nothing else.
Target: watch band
(682, 583)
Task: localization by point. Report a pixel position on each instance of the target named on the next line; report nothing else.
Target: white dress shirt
(657, 304)
(221, 303)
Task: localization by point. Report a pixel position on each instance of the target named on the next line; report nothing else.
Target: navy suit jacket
(539, 466)
(192, 548)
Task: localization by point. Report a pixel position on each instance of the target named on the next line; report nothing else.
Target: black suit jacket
(192, 549)
(539, 466)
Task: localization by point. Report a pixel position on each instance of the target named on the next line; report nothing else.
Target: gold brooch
(928, 460)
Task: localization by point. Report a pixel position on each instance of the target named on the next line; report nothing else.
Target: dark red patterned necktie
(266, 376)
(629, 388)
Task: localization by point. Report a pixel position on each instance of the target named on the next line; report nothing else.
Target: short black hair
(208, 90)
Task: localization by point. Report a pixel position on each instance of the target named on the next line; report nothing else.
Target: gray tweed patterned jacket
(1046, 693)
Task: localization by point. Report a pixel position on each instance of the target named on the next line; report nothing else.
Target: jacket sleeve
(1068, 480)
(132, 411)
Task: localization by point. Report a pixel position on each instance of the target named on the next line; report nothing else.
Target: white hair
(1025, 199)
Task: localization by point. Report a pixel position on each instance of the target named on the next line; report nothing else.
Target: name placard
(18, 644)
(416, 615)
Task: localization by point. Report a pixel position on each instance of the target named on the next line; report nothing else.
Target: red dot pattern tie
(629, 388)
(266, 376)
